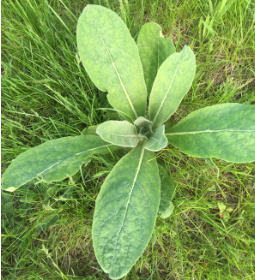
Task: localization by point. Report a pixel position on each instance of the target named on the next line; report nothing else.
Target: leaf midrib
(128, 202)
(71, 155)
(209, 131)
(116, 70)
(159, 109)
(119, 135)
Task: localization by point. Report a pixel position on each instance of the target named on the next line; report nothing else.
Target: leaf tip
(10, 189)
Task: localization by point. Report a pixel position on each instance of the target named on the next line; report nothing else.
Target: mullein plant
(138, 189)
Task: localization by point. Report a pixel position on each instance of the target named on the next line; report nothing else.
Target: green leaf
(221, 206)
(53, 160)
(144, 127)
(225, 131)
(111, 59)
(125, 213)
(173, 81)
(141, 122)
(90, 130)
(166, 207)
(120, 133)
(166, 48)
(157, 141)
(153, 49)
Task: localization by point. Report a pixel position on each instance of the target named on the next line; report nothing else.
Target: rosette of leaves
(137, 188)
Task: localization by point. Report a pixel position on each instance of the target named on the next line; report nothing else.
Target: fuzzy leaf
(154, 49)
(157, 141)
(166, 207)
(225, 131)
(172, 82)
(53, 160)
(111, 59)
(144, 127)
(141, 122)
(90, 130)
(120, 133)
(125, 213)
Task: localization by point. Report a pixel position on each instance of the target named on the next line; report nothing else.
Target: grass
(46, 94)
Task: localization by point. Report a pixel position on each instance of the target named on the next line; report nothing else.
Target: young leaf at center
(120, 133)
(157, 141)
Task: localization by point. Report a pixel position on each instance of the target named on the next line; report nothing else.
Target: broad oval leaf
(154, 49)
(53, 160)
(225, 131)
(166, 206)
(125, 212)
(111, 59)
(172, 82)
(157, 141)
(120, 133)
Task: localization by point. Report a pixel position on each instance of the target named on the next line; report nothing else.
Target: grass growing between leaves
(46, 94)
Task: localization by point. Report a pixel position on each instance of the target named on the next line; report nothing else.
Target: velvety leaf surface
(142, 122)
(153, 49)
(166, 48)
(111, 59)
(225, 131)
(53, 160)
(90, 130)
(125, 213)
(120, 133)
(157, 141)
(144, 127)
(166, 207)
(172, 82)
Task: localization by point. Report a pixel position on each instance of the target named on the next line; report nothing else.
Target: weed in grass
(196, 242)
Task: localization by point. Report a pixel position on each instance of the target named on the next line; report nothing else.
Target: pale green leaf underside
(125, 212)
(166, 207)
(225, 131)
(172, 82)
(53, 160)
(157, 141)
(144, 127)
(120, 133)
(111, 59)
(142, 122)
(153, 49)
